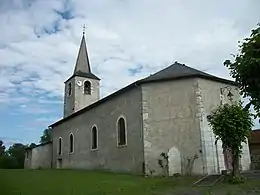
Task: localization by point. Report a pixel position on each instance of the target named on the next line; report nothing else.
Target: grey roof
(82, 67)
(173, 72)
(176, 71)
(83, 74)
(82, 63)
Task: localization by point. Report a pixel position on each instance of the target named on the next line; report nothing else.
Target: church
(156, 125)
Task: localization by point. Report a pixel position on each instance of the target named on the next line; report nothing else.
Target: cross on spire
(82, 63)
(84, 29)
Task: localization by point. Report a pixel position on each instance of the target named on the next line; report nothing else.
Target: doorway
(59, 164)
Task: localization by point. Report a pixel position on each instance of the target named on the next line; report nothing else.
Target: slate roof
(83, 74)
(175, 71)
(178, 71)
(82, 66)
(82, 63)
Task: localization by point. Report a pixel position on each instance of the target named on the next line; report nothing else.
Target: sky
(126, 39)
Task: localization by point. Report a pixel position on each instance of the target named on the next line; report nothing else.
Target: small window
(94, 138)
(69, 89)
(60, 146)
(121, 130)
(27, 155)
(71, 145)
(87, 87)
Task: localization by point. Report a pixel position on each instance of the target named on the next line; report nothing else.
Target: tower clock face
(79, 83)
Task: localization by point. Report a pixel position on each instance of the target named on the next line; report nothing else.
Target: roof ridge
(199, 70)
(177, 70)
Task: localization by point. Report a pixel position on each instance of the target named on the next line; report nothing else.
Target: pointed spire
(82, 67)
(82, 63)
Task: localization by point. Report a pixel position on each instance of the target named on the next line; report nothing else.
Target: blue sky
(127, 40)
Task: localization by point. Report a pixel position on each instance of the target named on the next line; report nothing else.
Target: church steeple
(82, 88)
(82, 66)
(82, 63)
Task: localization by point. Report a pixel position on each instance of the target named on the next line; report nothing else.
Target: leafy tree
(232, 125)
(46, 137)
(17, 151)
(2, 148)
(8, 162)
(32, 145)
(245, 69)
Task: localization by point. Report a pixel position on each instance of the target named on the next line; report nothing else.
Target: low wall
(39, 157)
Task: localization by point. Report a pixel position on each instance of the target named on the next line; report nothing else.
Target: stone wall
(39, 157)
(171, 126)
(108, 156)
(28, 159)
(210, 99)
(69, 99)
(78, 100)
(82, 100)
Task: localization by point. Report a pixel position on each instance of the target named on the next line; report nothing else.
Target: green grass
(68, 182)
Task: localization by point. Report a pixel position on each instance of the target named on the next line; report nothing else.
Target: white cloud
(8, 141)
(121, 35)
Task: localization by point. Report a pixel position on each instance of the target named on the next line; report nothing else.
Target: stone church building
(130, 130)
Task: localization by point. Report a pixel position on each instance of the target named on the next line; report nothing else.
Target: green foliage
(2, 148)
(17, 151)
(190, 164)
(46, 137)
(13, 158)
(246, 69)
(235, 179)
(164, 163)
(32, 145)
(232, 125)
(8, 162)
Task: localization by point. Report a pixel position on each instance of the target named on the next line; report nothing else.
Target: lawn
(68, 182)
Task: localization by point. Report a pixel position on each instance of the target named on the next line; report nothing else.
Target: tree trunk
(235, 165)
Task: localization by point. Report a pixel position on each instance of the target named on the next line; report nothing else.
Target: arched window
(60, 146)
(69, 89)
(94, 138)
(121, 132)
(87, 87)
(71, 145)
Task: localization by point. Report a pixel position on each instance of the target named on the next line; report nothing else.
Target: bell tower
(82, 88)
